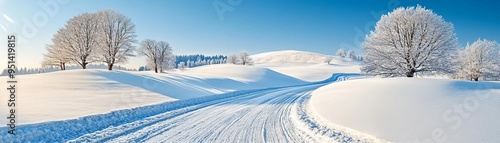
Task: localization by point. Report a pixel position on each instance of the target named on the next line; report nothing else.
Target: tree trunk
(110, 67)
(156, 69)
(476, 79)
(410, 73)
(84, 65)
(63, 66)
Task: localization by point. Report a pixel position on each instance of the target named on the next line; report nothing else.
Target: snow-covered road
(265, 115)
(261, 116)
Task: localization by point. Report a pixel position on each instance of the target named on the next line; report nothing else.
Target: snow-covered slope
(310, 72)
(75, 93)
(237, 77)
(413, 110)
(293, 56)
(304, 65)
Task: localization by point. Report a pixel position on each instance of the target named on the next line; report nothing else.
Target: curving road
(269, 115)
(262, 115)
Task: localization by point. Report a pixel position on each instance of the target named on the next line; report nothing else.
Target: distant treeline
(189, 61)
(199, 60)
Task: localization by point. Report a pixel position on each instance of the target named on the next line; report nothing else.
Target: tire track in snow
(261, 116)
(228, 117)
(264, 115)
(113, 132)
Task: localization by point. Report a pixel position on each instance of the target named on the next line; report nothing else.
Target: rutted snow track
(267, 115)
(261, 116)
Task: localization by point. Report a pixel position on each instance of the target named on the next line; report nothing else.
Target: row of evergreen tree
(191, 61)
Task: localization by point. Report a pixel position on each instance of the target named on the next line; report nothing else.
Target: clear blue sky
(194, 26)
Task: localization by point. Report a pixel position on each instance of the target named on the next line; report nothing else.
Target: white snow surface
(294, 56)
(413, 110)
(76, 93)
(260, 115)
(307, 66)
(311, 72)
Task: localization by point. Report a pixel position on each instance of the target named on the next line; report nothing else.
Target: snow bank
(413, 110)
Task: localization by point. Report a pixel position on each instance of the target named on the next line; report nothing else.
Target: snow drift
(413, 110)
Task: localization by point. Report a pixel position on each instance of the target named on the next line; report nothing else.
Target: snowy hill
(413, 110)
(293, 56)
(76, 93)
(310, 72)
(304, 65)
(245, 76)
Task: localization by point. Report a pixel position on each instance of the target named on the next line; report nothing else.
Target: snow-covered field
(413, 110)
(262, 115)
(76, 93)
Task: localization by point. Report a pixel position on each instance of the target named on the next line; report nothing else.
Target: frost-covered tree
(158, 54)
(116, 37)
(55, 56)
(245, 59)
(79, 38)
(188, 64)
(105, 36)
(328, 59)
(408, 41)
(181, 66)
(340, 52)
(149, 49)
(232, 59)
(352, 55)
(481, 59)
(166, 59)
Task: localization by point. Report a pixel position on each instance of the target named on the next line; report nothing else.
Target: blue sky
(194, 26)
